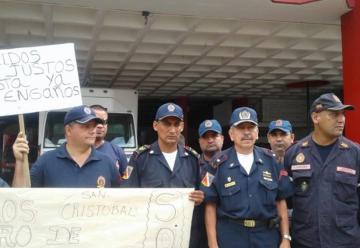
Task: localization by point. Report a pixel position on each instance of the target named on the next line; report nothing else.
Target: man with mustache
(325, 169)
(280, 136)
(245, 199)
(165, 163)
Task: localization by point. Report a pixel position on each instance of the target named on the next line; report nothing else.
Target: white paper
(37, 79)
(83, 218)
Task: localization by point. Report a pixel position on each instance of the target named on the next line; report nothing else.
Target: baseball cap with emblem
(282, 125)
(329, 101)
(81, 114)
(209, 125)
(169, 110)
(243, 114)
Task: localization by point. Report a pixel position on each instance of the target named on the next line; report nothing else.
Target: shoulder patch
(217, 161)
(192, 151)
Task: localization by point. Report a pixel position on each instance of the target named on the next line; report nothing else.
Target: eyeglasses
(104, 122)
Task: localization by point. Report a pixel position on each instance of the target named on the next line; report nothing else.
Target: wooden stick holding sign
(24, 172)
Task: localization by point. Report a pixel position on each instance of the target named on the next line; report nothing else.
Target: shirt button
(250, 195)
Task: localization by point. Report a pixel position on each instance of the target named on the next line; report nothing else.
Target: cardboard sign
(83, 218)
(37, 79)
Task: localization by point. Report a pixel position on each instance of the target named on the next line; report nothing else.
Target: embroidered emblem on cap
(336, 99)
(244, 115)
(100, 182)
(278, 123)
(300, 157)
(208, 123)
(87, 110)
(171, 108)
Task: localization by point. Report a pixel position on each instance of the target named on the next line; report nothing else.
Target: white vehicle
(122, 106)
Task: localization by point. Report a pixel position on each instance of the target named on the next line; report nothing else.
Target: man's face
(81, 134)
(101, 129)
(211, 142)
(280, 140)
(168, 130)
(244, 135)
(330, 124)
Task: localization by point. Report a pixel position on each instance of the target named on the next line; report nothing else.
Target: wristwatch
(287, 236)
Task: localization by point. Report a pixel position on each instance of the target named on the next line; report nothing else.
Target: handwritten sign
(45, 217)
(36, 79)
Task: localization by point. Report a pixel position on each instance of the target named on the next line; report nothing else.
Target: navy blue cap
(81, 114)
(243, 114)
(169, 110)
(282, 125)
(209, 125)
(329, 101)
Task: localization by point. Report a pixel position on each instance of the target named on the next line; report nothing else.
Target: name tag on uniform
(301, 167)
(228, 185)
(346, 170)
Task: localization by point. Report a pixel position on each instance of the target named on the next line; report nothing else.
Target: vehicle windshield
(121, 130)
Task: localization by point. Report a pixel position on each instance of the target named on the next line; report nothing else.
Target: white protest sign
(37, 79)
(83, 218)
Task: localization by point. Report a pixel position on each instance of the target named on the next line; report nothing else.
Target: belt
(251, 223)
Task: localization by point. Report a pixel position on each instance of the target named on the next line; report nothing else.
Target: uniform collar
(340, 142)
(63, 153)
(155, 150)
(257, 157)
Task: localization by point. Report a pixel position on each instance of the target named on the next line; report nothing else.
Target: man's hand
(20, 147)
(197, 196)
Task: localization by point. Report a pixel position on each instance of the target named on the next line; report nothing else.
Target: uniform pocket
(231, 199)
(302, 181)
(345, 187)
(271, 189)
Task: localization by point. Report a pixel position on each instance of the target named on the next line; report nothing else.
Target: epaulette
(268, 152)
(192, 151)
(218, 160)
(344, 145)
(140, 150)
(305, 143)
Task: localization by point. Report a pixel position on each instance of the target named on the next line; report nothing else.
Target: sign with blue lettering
(82, 218)
(37, 79)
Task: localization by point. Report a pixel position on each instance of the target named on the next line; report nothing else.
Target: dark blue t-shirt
(57, 169)
(324, 151)
(115, 153)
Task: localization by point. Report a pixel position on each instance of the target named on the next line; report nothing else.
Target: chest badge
(304, 186)
(267, 176)
(230, 184)
(300, 157)
(100, 182)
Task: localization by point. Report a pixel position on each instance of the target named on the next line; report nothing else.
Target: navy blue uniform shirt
(242, 196)
(57, 169)
(115, 153)
(326, 199)
(149, 169)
